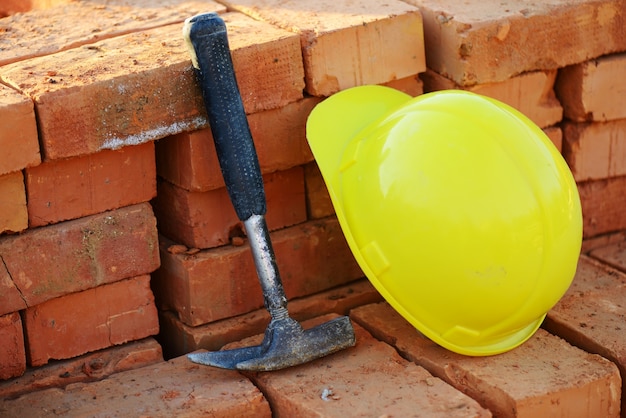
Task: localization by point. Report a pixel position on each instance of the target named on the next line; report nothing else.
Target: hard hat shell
(459, 210)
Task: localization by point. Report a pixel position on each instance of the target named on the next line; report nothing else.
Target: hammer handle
(207, 41)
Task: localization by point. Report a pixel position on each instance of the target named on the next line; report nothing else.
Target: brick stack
(77, 172)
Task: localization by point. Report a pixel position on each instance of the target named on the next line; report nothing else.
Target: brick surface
(592, 314)
(12, 352)
(531, 93)
(90, 320)
(602, 204)
(222, 282)
(112, 93)
(71, 24)
(13, 210)
(52, 261)
(346, 43)
(369, 379)
(208, 219)
(595, 150)
(71, 188)
(318, 203)
(555, 134)
(18, 132)
(593, 90)
(174, 388)
(613, 253)
(88, 367)
(411, 85)
(543, 377)
(475, 44)
(188, 160)
(178, 338)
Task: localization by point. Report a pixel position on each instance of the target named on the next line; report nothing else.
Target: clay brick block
(188, 160)
(222, 282)
(411, 85)
(85, 321)
(592, 312)
(555, 134)
(602, 205)
(545, 376)
(71, 188)
(346, 43)
(613, 252)
(318, 203)
(208, 219)
(603, 241)
(12, 353)
(52, 261)
(112, 93)
(13, 210)
(594, 90)
(595, 150)
(167, 389)
(178, 338)
(70, 24)
(369, 379)
(475, 44)
(530, 93)
(18, 132)
(85, 368)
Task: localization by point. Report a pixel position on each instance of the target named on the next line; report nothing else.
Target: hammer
(285, 342)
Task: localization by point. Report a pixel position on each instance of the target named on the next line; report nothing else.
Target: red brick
(175, 388)
(13, 210)
(85, 368)
(613, 252)
(222, 282)
(411, 85)
(603, 241)
(207, 219)
(603, 205)
(593, 90)
(595, 150)
(555, 134)
(318, 203)
(490, 42)
(531, 93)
(543, 377)
(369, 379)
(188, 160)
(12, 353)
(178, 338)
(591, 314)
(71, 24)
(18, 132)
(349, 46)
(112, 93)
(52, 261)
(59, 190)
(85, 321)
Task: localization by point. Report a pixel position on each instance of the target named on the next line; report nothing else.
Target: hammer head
(285, 344)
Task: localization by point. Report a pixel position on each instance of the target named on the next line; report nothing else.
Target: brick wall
(115, 225)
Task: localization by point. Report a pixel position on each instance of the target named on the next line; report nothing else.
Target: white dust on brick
(153, 134)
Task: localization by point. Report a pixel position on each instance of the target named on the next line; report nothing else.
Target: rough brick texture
(18, 132)
(613, 253)
(318, 201)
(85, 321)
(494, 41)
(188, 160)
(174, 388)
(59, 190)
(543, 377)
(85, 368)
(208, 219)
(52, 261)
(595, 150)
(178, 338)
(603, 205)
(12, 352)
(531, 93)
(346, 43)
(111, 93)
(13, 210)
(591, 315)
(594, 90)
(222, 282)
(369, 379)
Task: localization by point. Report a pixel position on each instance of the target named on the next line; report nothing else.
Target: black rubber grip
(231, 133)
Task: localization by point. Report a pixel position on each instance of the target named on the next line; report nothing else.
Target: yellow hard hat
(458, 209)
